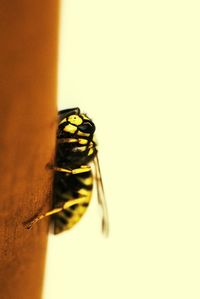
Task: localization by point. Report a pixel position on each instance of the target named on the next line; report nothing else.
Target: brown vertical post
(28, 56)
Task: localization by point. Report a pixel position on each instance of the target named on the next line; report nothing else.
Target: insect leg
(66, 205)
(29, 224)
(82, 169)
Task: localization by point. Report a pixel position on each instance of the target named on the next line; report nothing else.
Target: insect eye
(87, 127)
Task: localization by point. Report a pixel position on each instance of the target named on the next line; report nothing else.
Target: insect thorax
(75, 143)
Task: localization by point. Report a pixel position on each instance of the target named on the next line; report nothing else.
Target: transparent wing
(101, 197)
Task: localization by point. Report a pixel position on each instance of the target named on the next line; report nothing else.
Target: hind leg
(66, 205)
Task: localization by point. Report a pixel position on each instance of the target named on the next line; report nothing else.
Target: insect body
(73, 179)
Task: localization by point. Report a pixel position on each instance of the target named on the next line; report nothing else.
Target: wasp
(76, 150)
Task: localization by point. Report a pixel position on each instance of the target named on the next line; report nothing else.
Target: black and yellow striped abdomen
(68, 187)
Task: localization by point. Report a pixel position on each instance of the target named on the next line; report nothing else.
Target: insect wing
(101, 196)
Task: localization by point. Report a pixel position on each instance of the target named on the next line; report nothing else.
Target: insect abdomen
(70, 187)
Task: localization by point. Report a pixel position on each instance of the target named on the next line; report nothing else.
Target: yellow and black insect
(73, 179)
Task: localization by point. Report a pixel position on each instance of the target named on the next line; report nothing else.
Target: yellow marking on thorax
(67, 140)
(82, 148)
(82, 141)
(91, 151)
(91, 144)
(70, 129)
(79, 133)
(75, 120)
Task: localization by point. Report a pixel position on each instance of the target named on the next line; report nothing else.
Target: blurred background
(134, 67)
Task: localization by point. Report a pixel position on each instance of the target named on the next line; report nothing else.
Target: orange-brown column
(28, 63)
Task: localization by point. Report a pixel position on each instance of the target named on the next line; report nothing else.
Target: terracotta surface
(28, 58)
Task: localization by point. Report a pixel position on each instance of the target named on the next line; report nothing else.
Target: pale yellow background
(134, 67)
